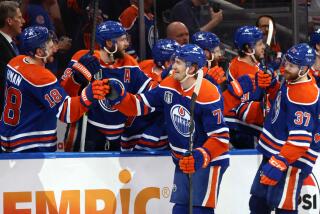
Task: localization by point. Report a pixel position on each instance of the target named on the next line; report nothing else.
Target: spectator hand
(217, 17)
(200, 158)
(217, 74)
(85, 68)
(64, 43)
(273, 171)
(95, 91)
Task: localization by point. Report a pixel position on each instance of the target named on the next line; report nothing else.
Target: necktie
(15, 47)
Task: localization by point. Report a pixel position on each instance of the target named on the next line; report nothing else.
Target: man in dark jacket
(11, 22)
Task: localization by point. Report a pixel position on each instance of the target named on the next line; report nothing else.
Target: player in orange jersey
(243, 105)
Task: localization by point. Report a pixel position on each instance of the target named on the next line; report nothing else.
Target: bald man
(179, 32)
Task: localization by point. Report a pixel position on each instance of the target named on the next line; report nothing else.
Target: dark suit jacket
(6, 54)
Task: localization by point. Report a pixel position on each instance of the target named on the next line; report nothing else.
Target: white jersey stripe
(116, 126)
(300, 132)
(221, 130)
(206, 198)
(31, 146)
(285, 189)
(27, 134)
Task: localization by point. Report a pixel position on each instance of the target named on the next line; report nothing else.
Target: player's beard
(118, 55)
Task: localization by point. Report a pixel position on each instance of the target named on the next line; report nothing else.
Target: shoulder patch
(305, 93)
(208, 93)
(34, 74)
(170, 82)
(129, 61)
(146, 66)
(238, 68)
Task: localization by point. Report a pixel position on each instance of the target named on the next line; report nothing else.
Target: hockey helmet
(249, 35)
(301, 54)
(109, 30)
(32, 38)
(191, 54)
(206, 40)
(163, 50)
(314, 38)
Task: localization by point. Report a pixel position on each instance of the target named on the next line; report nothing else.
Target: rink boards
(115, 183)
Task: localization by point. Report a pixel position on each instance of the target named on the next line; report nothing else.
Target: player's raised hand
(273, 171)
(97, 90)
(265, 79)
(85, 68)
(200, 158)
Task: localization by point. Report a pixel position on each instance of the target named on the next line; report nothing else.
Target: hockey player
(34, 99)
(209, 158)
(315, 43)
(289, 141)
(148, 132)
(210, 43)
(243, 100)
(105, 125)
(159, 67)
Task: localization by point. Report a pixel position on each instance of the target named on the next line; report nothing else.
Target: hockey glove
(264, 80)
(217, 74)
(200, 158)
(95, 91)
(273, 171)
(85, 68)
(242, 85)
(117, 93)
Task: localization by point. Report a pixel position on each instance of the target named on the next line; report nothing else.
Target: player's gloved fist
(273, 171)
(117, 92)
(266, 79)
(85, 68)
(242, 85)
(200, 158)
(217, 74)
(98, 89)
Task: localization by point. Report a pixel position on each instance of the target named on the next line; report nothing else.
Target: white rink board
(72, 181)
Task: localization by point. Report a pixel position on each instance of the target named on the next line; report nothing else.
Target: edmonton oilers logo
(105, 104)
(180, 117)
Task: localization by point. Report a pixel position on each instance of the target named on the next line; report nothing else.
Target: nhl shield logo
(168, 97)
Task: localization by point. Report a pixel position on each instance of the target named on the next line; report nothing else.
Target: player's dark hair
(266, 16)
(8, 9)
(243, 50)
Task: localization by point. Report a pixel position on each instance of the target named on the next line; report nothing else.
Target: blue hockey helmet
(32, 38)
(206, 40)
(163, 50)
(249, 35)
(301, 54)
(109, 30)
(191, 54)
(315, 38)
